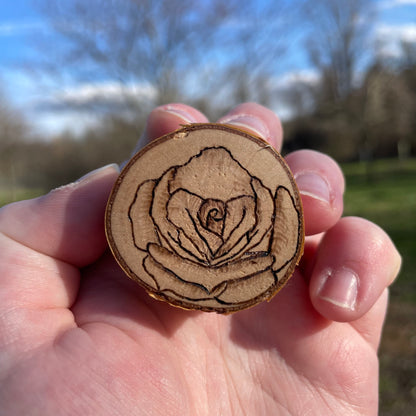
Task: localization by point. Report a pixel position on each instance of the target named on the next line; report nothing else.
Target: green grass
(385, 192)
(12, 195)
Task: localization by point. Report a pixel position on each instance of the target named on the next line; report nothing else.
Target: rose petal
(234, 254)
(167, 281)
(252, 287)
(211, 216)
(238, 211)
(213, 174)
(185, 243)
(139, 214)
(206, 276)
(171, 237)
(264, 213)
(263, 217)
(285, 239)
(183, 209)
(240, 219)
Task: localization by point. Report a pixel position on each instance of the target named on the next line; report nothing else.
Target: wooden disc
(207, 217)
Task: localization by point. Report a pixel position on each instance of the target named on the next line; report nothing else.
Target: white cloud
(20, 28)
(109, 93)
(51, 111)
(51, 124)
(293, 78)
(285, 84)
(405, 32)
(390, 4)
(80, 107)
(389, 38)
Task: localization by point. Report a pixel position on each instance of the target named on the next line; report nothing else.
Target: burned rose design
(208, 228)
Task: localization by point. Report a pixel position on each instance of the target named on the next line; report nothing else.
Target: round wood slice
(207, 217)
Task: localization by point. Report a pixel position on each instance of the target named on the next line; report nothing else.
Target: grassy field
(12, 195)
(384, 192)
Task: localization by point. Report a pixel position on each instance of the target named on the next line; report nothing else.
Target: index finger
(257, 120)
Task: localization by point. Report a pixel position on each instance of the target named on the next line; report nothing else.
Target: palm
(124, 351)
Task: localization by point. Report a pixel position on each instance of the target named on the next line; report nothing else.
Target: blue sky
(19, 22)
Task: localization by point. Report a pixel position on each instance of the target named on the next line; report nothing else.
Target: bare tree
(389, 109)
(135, 42)
(182, 49)
(257, 47)
(338, 42)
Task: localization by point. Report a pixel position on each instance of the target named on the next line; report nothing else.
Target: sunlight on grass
(12, 195)
(386, 194)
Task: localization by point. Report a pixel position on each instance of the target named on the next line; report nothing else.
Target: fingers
(319, 178)
(355, 262)
(370, 325)
(257, 120)
(168, 118)
(67, 223)
(43, 241)
(321, 185)
(251, 117)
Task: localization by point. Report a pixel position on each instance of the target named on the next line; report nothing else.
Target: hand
(77, 337)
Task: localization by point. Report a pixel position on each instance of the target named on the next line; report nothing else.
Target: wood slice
(207, 217)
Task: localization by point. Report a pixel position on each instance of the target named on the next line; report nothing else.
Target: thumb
(68, 222)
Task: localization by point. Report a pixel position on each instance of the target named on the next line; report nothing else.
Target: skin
(79, 338)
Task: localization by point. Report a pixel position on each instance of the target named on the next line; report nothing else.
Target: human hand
(77, 337)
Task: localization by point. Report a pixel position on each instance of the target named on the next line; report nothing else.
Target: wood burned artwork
(207, 218)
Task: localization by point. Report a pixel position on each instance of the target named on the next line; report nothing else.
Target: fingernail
(180, 113)
(340, 288)
(248, 122)
(313, 185)
(98, 172)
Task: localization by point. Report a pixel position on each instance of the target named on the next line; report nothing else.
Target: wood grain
(207, 217)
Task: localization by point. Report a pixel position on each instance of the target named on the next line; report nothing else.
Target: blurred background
(78, 79)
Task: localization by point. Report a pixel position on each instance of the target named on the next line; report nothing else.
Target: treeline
(213, 55)
(35, 163)
(377, 120)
